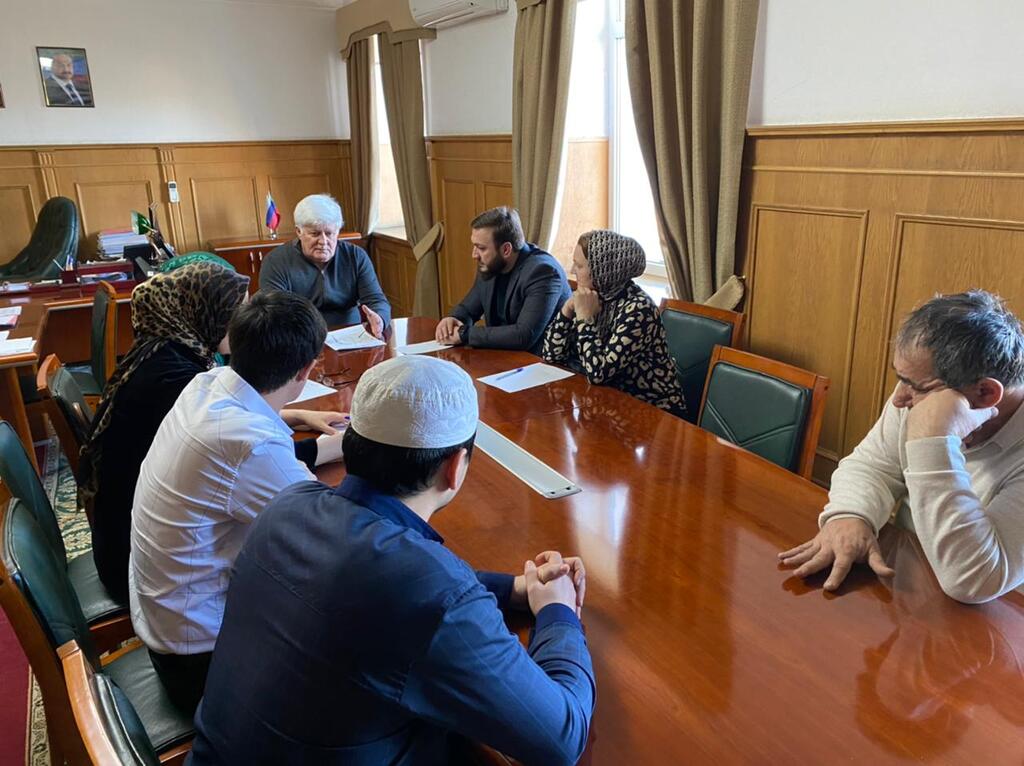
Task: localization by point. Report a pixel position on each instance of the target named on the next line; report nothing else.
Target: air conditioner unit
(446, 13)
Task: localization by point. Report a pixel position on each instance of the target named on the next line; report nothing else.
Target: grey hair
(318, 210)
(970, 335)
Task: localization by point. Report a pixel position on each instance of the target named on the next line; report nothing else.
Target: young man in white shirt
(948, 449)
(220, 455)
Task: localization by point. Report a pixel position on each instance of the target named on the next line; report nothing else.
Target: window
(632, 201)
(389, 209)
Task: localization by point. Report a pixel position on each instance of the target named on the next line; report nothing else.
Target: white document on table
(351, 339)
(426, 347)
(522, 378)
(10, 311)
(17, 346)
(4, 334)
(312, 390)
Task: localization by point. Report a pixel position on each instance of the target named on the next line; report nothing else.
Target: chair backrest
(106, 719)
(40, 603)
(69, 411)
(103, 341)
(55, 238)
(770, 408)
(692, 331)
(22, 482)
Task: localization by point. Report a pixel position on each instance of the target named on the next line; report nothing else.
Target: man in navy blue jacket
(518, 290)
(351, 635)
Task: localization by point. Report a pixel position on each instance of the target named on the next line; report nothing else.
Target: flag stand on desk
(273, 217)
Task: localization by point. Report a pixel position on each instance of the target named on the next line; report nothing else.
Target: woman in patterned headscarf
(609, 329)
(180, 320)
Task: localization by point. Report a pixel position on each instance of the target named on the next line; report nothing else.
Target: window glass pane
(634, 214)
(389, 212)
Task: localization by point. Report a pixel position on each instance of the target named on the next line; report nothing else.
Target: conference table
(705, 649)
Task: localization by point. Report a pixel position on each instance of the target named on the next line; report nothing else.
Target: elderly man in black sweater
(519, 288)
(337, 277)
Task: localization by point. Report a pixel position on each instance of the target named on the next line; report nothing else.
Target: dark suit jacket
(57, 96)
(537, 288)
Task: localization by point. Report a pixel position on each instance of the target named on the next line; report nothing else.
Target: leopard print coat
(623, 347)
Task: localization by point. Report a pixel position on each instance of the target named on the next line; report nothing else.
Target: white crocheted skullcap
(417, 402)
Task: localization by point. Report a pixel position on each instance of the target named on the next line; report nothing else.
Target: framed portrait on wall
(65, 76)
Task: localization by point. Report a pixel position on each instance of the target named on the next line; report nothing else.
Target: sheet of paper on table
(9, 316)
(522, 378)
(17, 346)
(312, 390)
(351, 338)
(426, 347)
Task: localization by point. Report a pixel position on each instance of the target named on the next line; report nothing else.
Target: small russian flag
(273, 217)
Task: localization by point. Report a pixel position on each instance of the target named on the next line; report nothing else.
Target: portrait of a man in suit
(65, 75)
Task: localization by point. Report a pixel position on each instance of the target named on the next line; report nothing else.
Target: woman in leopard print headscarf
(610, 329)
(180, 318)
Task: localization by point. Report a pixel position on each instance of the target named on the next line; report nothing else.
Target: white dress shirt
(218, 458)
(965, 504)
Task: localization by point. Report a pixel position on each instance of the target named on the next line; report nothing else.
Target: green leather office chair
(102, 343)
(769, 408)
(107, 618)
(692, 331)
(53, 244)
(67, 407)
(106, 719)
(41, 605)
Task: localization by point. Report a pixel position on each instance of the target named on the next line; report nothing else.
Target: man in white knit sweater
(947, 455)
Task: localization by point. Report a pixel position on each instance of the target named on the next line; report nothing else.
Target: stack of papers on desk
(522, 378)
(9, 316)
(351, 338)
(17, 346)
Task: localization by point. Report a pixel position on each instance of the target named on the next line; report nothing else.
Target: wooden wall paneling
(289, 189)
(225, 207)
(585, 196)
(222, 186)
(107, 183)
(935, 254)
(18, 208)
(943, 210)
(173, 226)
(458, 198)
(826, 282)
(396, 269)
(468, 175)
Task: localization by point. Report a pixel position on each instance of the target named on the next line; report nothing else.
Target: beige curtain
(403, 97)
(689, 67)
(540, 89)
(363, 118)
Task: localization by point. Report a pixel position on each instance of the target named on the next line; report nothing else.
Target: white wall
(175, 70)
(467, 77)
(821, 61)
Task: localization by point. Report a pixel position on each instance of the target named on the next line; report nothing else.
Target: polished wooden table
(60, 322)
(706, 651)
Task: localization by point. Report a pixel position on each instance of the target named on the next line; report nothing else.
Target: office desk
(706, 652)
(60, 323)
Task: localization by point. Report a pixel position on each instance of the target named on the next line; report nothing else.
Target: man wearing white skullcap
(352, 635)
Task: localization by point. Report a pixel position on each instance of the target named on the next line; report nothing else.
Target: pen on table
(509, 373)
